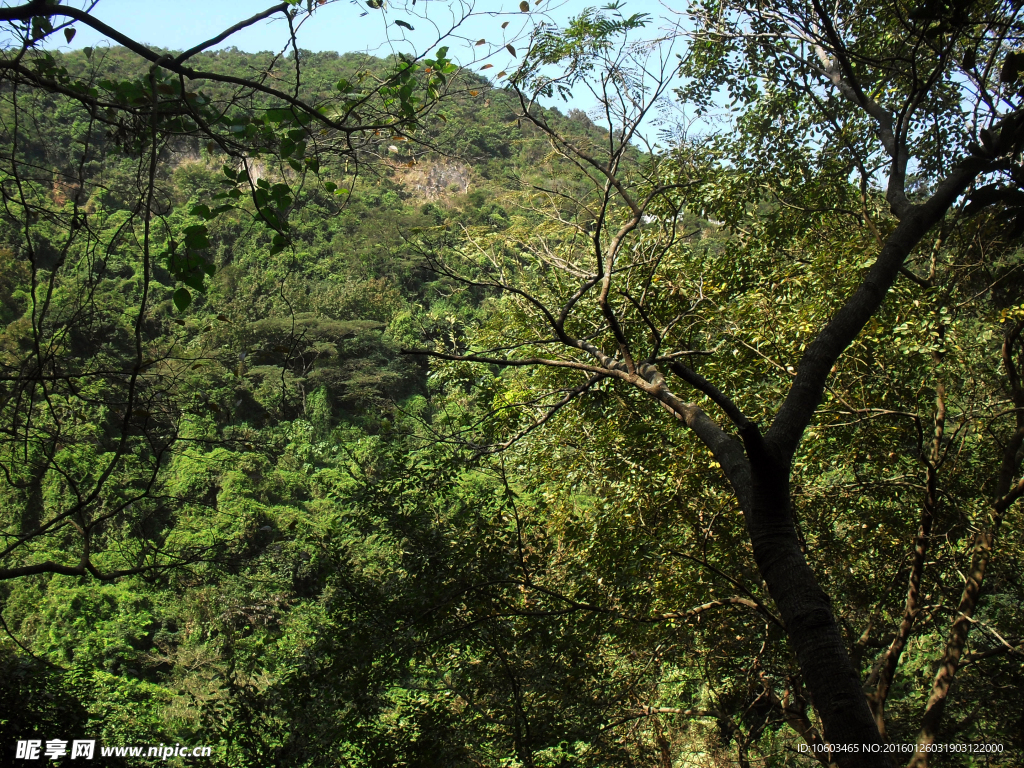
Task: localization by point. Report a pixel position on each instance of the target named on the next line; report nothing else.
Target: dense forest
(366, 412)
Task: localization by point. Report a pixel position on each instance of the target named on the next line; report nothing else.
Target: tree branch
(824, 350)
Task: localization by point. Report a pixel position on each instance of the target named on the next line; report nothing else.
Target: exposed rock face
(435, 180)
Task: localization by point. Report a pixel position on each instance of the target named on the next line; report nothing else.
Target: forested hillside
(364, 412)
(305, 546)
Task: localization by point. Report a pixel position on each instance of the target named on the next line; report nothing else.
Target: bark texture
(832, 682)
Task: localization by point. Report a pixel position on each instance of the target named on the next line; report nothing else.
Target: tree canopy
(368, 412)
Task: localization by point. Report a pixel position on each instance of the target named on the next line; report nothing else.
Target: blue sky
(349, 25)
(335, 26)
(338, 25)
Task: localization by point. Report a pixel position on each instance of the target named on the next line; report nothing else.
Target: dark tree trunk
(832, 682)
(805, 609)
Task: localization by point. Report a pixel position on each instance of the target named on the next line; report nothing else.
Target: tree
(830, 102)
(97, 397)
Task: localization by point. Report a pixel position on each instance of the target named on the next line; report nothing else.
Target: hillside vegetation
(363, 448)
(323, 595)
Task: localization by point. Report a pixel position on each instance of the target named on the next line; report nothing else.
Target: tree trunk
(833, 684)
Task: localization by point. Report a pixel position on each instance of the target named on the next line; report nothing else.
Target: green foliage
(322, 558)
(263, 441)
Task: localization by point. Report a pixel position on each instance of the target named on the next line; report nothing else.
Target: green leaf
(197, 236)
(405, 24)
(279, 243)
(279, 115)
(41, 26)
(182, 298)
